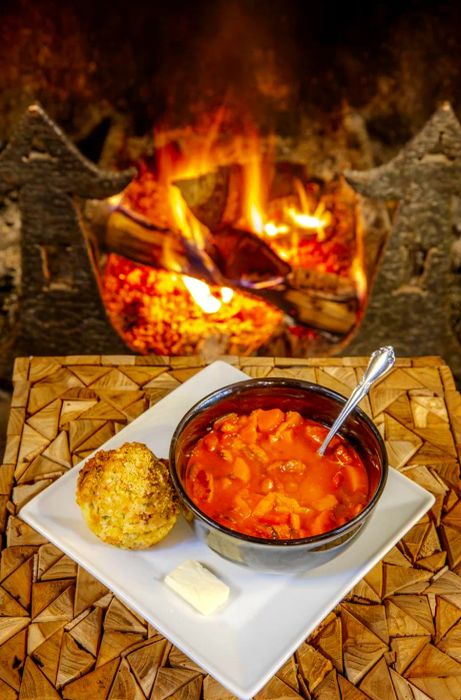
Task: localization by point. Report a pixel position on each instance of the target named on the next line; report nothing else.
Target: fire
(203, 296)
(307, 226)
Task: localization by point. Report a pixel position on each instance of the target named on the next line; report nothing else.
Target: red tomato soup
(260, 474)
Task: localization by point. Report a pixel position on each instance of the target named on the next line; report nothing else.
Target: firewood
(95, 684)
(73, 662)
(206, 195)
(144, 243)
(233, 249)
(145, 662)
(313, 307)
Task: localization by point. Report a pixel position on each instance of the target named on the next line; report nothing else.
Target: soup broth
(261, 475)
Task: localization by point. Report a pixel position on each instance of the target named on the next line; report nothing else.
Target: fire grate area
(137, 264)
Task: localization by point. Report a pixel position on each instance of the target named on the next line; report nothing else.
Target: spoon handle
(381, 361)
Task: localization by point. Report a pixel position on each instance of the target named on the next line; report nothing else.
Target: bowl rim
(226, 391)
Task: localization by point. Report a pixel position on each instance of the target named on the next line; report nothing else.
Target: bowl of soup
(245, 463)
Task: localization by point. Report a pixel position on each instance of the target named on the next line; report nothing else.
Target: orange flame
(300, 217)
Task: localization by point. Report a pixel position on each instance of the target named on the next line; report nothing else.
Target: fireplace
(267, 165)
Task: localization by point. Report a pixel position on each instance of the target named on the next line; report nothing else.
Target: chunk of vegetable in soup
(261, 474)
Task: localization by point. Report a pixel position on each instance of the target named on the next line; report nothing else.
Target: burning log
(207, 195)
(237, 259)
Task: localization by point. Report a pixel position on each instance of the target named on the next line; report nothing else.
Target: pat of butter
(198, 586)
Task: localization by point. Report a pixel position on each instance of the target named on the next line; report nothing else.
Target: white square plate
(268, 616)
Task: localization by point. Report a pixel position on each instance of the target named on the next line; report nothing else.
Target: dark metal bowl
(312, 401)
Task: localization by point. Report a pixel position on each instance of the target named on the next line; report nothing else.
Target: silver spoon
(381, 361)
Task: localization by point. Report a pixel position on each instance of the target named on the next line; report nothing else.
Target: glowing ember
(154, 312)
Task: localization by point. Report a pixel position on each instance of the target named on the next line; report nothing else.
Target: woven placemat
(64, 635)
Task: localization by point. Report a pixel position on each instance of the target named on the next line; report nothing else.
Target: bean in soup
(260, 474)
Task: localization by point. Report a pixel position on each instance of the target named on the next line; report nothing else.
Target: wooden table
(63, 634)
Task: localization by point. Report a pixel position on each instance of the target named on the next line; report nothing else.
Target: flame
(203, 296)
(201, 293)
(292, 225)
